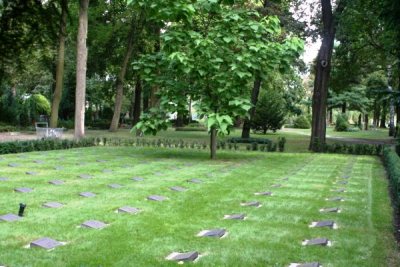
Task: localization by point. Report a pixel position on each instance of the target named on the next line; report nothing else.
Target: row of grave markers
(48, 243)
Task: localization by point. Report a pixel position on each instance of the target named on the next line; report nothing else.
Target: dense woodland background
(236, 63)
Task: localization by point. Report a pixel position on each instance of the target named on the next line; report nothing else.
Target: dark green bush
(301, 122)
(191, 129)
(7, 128)
(357, 149)
(249, 140)
(99, 124)
(67, 124)
(392, 164)
(281, 143)
(342, 124)
(43, 145)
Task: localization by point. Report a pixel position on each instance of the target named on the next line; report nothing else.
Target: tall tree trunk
(383, 116)
(391, 104)
(121, 78)
(366, 122)
(60, 65)
(344, 106)
(254, 99)
(138, 100)
(330, 120)
(323, 68)
(213, 143)
(81, 60)
(360, 121)
(146, 101)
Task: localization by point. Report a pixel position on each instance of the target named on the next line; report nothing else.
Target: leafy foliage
(270, 112)
(342, 124)
(302, 122)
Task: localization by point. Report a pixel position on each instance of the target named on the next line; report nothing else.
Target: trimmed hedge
(355, 149)
(240, 140)
(191, 129)
(44, 145)
(392, 164)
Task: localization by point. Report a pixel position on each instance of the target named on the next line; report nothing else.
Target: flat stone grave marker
(342, 182)
(56, 182)
(94, 224)
(158, 173)
(339, 190)
(3, 179)
(235, 217)
(212, 233)
(251, 204)
(186, 256)
(137, 179)
(346, 176)
(23, 189)
(128, 209)
(327, 223)
(31, 173)
(59, 168)
(85, 176)
(178, 188)
(115, 186)
(285, 179)
(13, 165)
(107, 171)
(156, 198)
(81, 163)
(335, 199)
(330, 210)
(101, 160)
(195, 181)
(38, 161)
(308, 264)
(316, 242)
(87, 194)
(267, 193)
(53, 205)
(276, 185)
(9, 218)
(45, 243)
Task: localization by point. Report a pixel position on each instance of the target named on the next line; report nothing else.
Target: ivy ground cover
(271, 235)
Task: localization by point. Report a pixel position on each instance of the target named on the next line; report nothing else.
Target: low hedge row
(392, 164)
(191, 129)
(240, 140)
(354, 149)
(44, 145)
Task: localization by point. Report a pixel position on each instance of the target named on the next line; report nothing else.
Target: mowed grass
(271, 235)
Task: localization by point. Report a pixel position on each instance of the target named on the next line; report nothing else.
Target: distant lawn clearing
(271, 235)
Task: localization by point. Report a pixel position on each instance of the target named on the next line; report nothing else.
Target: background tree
(81, 70)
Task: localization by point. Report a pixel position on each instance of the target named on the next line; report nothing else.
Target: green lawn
(271, 235)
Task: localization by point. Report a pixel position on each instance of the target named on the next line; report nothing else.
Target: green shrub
(281, 143)
(67, 124)
(392, 163)
(301, 122)
(342, 124)
(249, 140)
(191, 129)
(102, 124)
(7, 128)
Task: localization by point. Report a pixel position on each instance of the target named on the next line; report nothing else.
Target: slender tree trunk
(179, 120)
(344, 106)
(360, 121)
(383, 116)
(254, 98)
(213, 143)
(145, 101)
(81, 60)
(60, 66)
(330, 117)
(323, 68)
(121, 78)
(391, 104)
(138, 99)
(366, 122)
